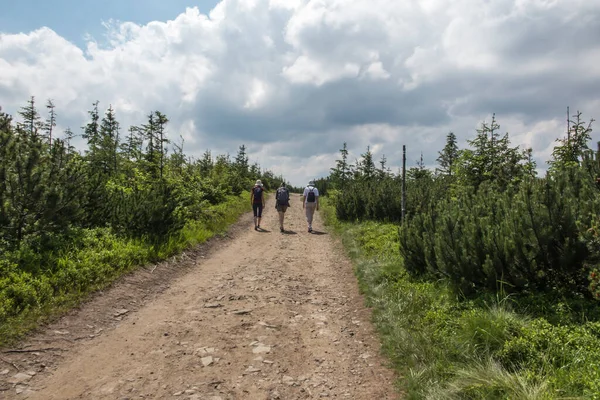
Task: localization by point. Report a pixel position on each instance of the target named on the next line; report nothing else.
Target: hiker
(282, 202)
(310, 202)
(257, 199)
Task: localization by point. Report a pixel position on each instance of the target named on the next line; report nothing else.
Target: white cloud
(257, 94)
(295, 79)
(305, 70)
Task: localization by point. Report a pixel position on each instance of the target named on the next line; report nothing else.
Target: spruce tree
(7, 154)
(156, 151)
(205, 163)
(178, 157)
(96, 205)
(241, 162)
(491, 158)
(161, 138)
(220, 168)
(570, 149)
(448, 156)
(341, 174)
(5, 121)
(109, 142)
(69, 135)
(151, 156)
(31, 124)
(26, 182)
(383, 172)
(50, 121)
(530, 164)
(255, 169)
(420, 171)
(366, 167)
(91, 132)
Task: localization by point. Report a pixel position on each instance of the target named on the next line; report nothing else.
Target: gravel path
(256, 315)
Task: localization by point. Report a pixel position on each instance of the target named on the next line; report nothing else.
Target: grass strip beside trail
(444, 347)
(28, 299)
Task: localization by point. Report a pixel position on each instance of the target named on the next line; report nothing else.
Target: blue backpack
(258, 192)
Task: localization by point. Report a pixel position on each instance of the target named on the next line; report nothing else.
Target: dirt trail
(259, 315)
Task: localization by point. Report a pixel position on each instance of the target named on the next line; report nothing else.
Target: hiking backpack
(258, 191)
(310, 198)
(283, 196)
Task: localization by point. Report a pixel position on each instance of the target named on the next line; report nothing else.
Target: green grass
(445, 347)
(219, 218)
(28, 299)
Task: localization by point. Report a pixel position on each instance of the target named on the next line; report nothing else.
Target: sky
(295, 79)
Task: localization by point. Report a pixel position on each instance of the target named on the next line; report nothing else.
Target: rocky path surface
(257, 315)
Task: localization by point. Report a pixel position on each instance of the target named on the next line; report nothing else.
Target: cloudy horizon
(294, 79)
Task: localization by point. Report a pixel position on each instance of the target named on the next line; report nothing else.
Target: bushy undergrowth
(95, 258)
(487, 347)
(531, 240)
(72, 220)
(483, 221)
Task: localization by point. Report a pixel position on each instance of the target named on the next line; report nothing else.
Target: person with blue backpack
(282, 202)
(310, 202)
(257, 198)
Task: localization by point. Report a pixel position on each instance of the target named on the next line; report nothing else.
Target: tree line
(483, 219)
(128, 184)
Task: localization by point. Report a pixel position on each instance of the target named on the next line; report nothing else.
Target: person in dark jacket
(257, 199)
(282, 202)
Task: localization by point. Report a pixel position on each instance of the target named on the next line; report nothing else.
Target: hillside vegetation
(488, 289)
(72, 221)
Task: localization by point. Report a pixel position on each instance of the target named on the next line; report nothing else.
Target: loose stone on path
(263, 316)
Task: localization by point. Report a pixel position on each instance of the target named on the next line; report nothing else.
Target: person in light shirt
(310, 202)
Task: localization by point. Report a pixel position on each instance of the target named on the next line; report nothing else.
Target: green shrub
(486, 330)
(568, 354)
(528, 241)
(447, 347)
(94, 258)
